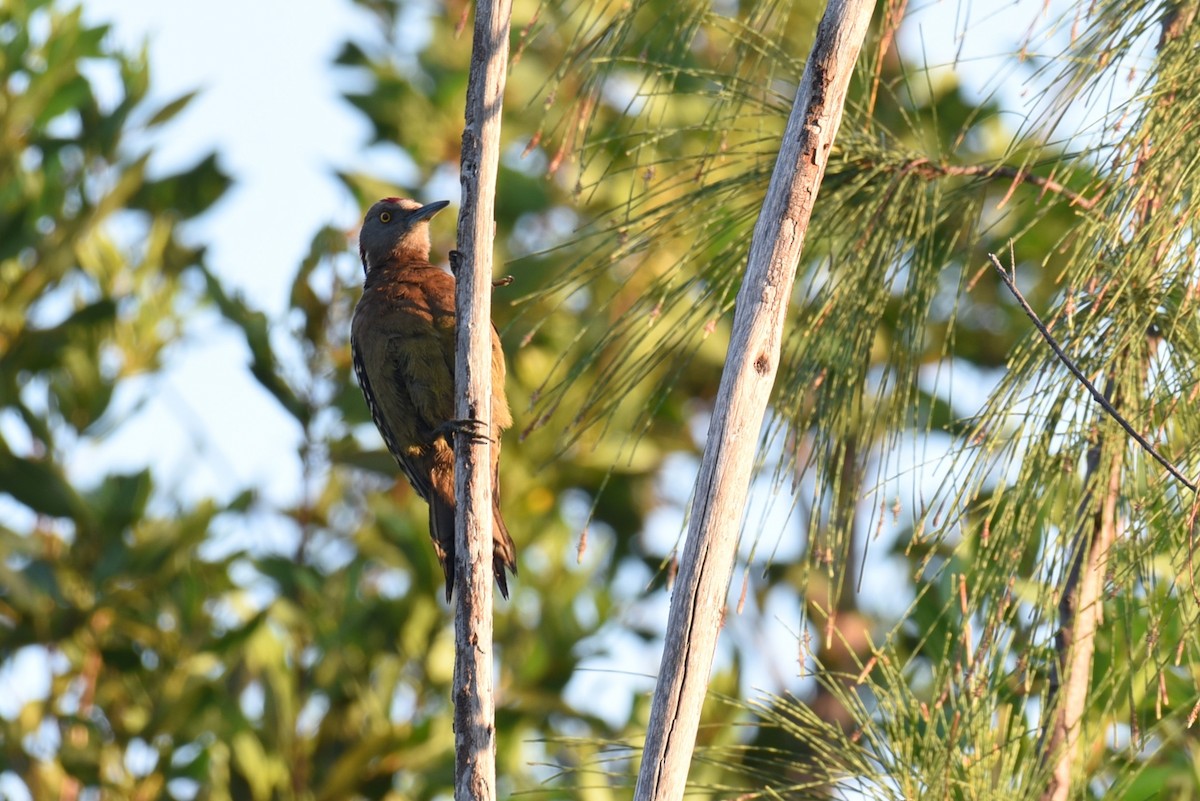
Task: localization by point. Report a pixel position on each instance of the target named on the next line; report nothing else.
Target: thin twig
(927, 168)
(1008, 279)
(1047, 184)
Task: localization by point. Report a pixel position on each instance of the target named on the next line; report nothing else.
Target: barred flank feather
(421, 485)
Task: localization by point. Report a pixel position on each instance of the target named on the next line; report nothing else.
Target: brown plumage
(402, 340)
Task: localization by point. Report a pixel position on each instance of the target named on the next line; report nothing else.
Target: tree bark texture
(474, 704)
(699, 596)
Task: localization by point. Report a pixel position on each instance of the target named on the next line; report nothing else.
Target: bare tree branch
(698, 598)
(1021, 176)
(928, 169)
(474, 704)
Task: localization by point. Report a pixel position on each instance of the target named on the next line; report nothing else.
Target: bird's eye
(385, 216)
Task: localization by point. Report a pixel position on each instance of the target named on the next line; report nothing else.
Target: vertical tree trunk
(698, 600)
(1080, 614)
(474, 705)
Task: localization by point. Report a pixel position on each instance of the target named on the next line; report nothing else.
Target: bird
(402, 344)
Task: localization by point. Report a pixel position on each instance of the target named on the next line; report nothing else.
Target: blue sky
(269, 104)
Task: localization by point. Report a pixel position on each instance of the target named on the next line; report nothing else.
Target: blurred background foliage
(919, 433)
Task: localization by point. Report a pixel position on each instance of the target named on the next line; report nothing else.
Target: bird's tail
(441, 530)
(504, 552)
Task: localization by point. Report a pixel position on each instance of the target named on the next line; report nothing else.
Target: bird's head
(396, 228)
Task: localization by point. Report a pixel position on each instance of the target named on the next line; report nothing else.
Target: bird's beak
(428, 210)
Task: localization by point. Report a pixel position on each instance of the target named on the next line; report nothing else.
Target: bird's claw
(474, 430)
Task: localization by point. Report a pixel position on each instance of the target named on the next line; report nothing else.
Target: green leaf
(168, 111)
(39, 349)
(255, 766)
(120, 500)
(40, 485)
(352, 55)
(68, 97)
(351, 455)
(328, 242)
(263, 364)
(189, 193)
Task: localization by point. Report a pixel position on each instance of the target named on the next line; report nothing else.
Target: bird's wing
(413, 471)
(417, 363)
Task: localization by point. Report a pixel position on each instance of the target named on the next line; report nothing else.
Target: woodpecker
(402, 342)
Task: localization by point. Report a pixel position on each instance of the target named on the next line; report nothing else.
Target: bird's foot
(476, 431)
